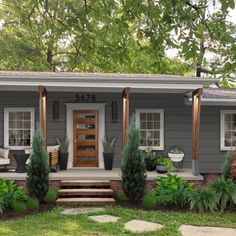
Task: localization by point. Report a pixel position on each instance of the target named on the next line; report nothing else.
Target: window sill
(153, 148)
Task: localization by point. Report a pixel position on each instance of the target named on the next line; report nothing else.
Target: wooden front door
(85, 125)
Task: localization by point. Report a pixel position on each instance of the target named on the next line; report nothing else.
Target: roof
(216, 97)
(111, 82)
(219, 93)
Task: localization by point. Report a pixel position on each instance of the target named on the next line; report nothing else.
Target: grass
(54, 224)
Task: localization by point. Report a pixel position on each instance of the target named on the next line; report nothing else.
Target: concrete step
(85, 192)
(85, 183)
(85, 201)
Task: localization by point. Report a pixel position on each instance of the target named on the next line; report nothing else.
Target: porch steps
(85, 193)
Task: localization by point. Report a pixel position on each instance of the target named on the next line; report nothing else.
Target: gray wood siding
(177, 122)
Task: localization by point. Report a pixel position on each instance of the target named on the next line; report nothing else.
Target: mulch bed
(9, 214)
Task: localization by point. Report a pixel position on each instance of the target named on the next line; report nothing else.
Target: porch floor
(97, 174)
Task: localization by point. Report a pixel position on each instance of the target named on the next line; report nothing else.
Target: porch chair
(4, 157)
(53, 155)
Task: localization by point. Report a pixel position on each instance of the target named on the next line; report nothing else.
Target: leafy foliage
(63, 144)
(149, 199)
(226, 192)
(121, 196)
(165, 161)
(226, 167)
(10, 192)
(109, 144)
(176, 150)
(32, 203)
(204, 199)
(116, 35)
(51, 195)
(173, 190)
(18, 206)
(133, 167)
(150, 154)
(38, 170)
(2, 205)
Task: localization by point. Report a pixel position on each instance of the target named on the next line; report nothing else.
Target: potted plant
(164, 164)
(108, 152)
(149, 158)
(176, 154)
(63, 149)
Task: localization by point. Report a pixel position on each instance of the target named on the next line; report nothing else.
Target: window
(151, 125)
(18, 127)
(228, 130)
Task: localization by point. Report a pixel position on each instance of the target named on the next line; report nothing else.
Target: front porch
(98, 174)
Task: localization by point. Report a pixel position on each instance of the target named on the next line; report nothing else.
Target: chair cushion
(52, 148)
(29, 151)
(4, 161)
(4, 153)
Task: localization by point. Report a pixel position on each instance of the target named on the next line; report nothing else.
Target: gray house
(86, 106)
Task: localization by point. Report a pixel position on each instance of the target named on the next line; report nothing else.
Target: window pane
(157, 142)
(228, 117)
(156, 125)
(228, 142)
(156, 134)
(150, 125)
(156, 116)
(27, 116)
(143, 125)
(150, 116)
(228, 126)
(143, 117)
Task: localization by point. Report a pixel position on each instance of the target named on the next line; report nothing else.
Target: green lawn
(53, 223)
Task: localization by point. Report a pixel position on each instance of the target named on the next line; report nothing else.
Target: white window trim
(6, 126)
(161, 111)
(222, 130)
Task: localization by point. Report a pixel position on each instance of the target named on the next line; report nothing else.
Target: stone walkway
(141, 226)
(189, 230)
(81, 210)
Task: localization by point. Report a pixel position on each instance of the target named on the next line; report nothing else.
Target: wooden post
(43, 112)
(125, 114)
(196, 108)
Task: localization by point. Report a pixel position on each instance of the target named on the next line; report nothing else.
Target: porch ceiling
(100, 82)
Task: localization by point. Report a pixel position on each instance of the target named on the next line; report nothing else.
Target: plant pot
(108, 160)
(176, 157)
(161, 169)
(63, 160)
(149, 165)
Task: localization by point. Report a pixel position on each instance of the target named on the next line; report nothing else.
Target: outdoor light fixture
(55, 105)
(114, 111)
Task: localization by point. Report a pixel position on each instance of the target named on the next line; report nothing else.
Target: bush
(1, 205)
(226, 168)
(173, 190)
(150, 199)
(32, 203)
(226, 192)
(9, 192)
(18, 206)
(133, 166)
(204, 199)
(38, 170)
(51, 195)
(121, 196)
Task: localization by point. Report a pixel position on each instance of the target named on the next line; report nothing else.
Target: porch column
(125, 114)
(43, 112)
(196, 107)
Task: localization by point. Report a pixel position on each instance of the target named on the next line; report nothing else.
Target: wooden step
(85, 192)
(85, 201)
(85, 183)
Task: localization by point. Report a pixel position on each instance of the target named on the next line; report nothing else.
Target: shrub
(9, 192)
(173, 190)
(149, 199)
(1, 205)
(18, 206)
(51, 195)
(38, 170)
(32, 203)
(133, 166)
(226, 168)
(121, 196)
(165, 161)
(203, 199)
(226, 192)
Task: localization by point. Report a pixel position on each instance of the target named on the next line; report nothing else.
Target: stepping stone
(81, 210)
(104, 218)
(190, 230)
(141, 226)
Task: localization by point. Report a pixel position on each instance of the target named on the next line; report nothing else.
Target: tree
(133, 167)
(38, 170)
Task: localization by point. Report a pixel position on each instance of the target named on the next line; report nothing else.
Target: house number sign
(85, 97)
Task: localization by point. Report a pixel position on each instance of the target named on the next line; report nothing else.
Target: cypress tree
(133, 166)
(38, 170)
